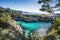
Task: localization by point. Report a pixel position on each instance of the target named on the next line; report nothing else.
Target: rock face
(11, 32)
(35, 19)
(18, 27)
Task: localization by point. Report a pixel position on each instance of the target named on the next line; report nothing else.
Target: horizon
(23, 5)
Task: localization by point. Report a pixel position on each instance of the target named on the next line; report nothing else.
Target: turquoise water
(28, 26)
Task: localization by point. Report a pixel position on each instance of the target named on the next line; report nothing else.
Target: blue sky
(24, 5)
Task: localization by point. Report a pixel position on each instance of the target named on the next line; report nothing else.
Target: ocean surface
(41, 27)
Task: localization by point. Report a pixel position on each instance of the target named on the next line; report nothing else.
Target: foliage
(2, 9)
(47, 5)
(4, 17)
(50, 37)
(8, 31)
(57, 20)
(55, 28)
(10, 11)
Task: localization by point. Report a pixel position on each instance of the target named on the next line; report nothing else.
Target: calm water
(39, 26)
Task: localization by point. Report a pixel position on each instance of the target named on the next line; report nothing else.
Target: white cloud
(57, 12)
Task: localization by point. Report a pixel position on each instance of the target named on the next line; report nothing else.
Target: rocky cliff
(11, 32)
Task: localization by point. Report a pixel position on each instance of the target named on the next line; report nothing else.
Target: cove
(28, 26)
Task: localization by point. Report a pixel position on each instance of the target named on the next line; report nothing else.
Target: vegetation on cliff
(9, 29)
(55, 28)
